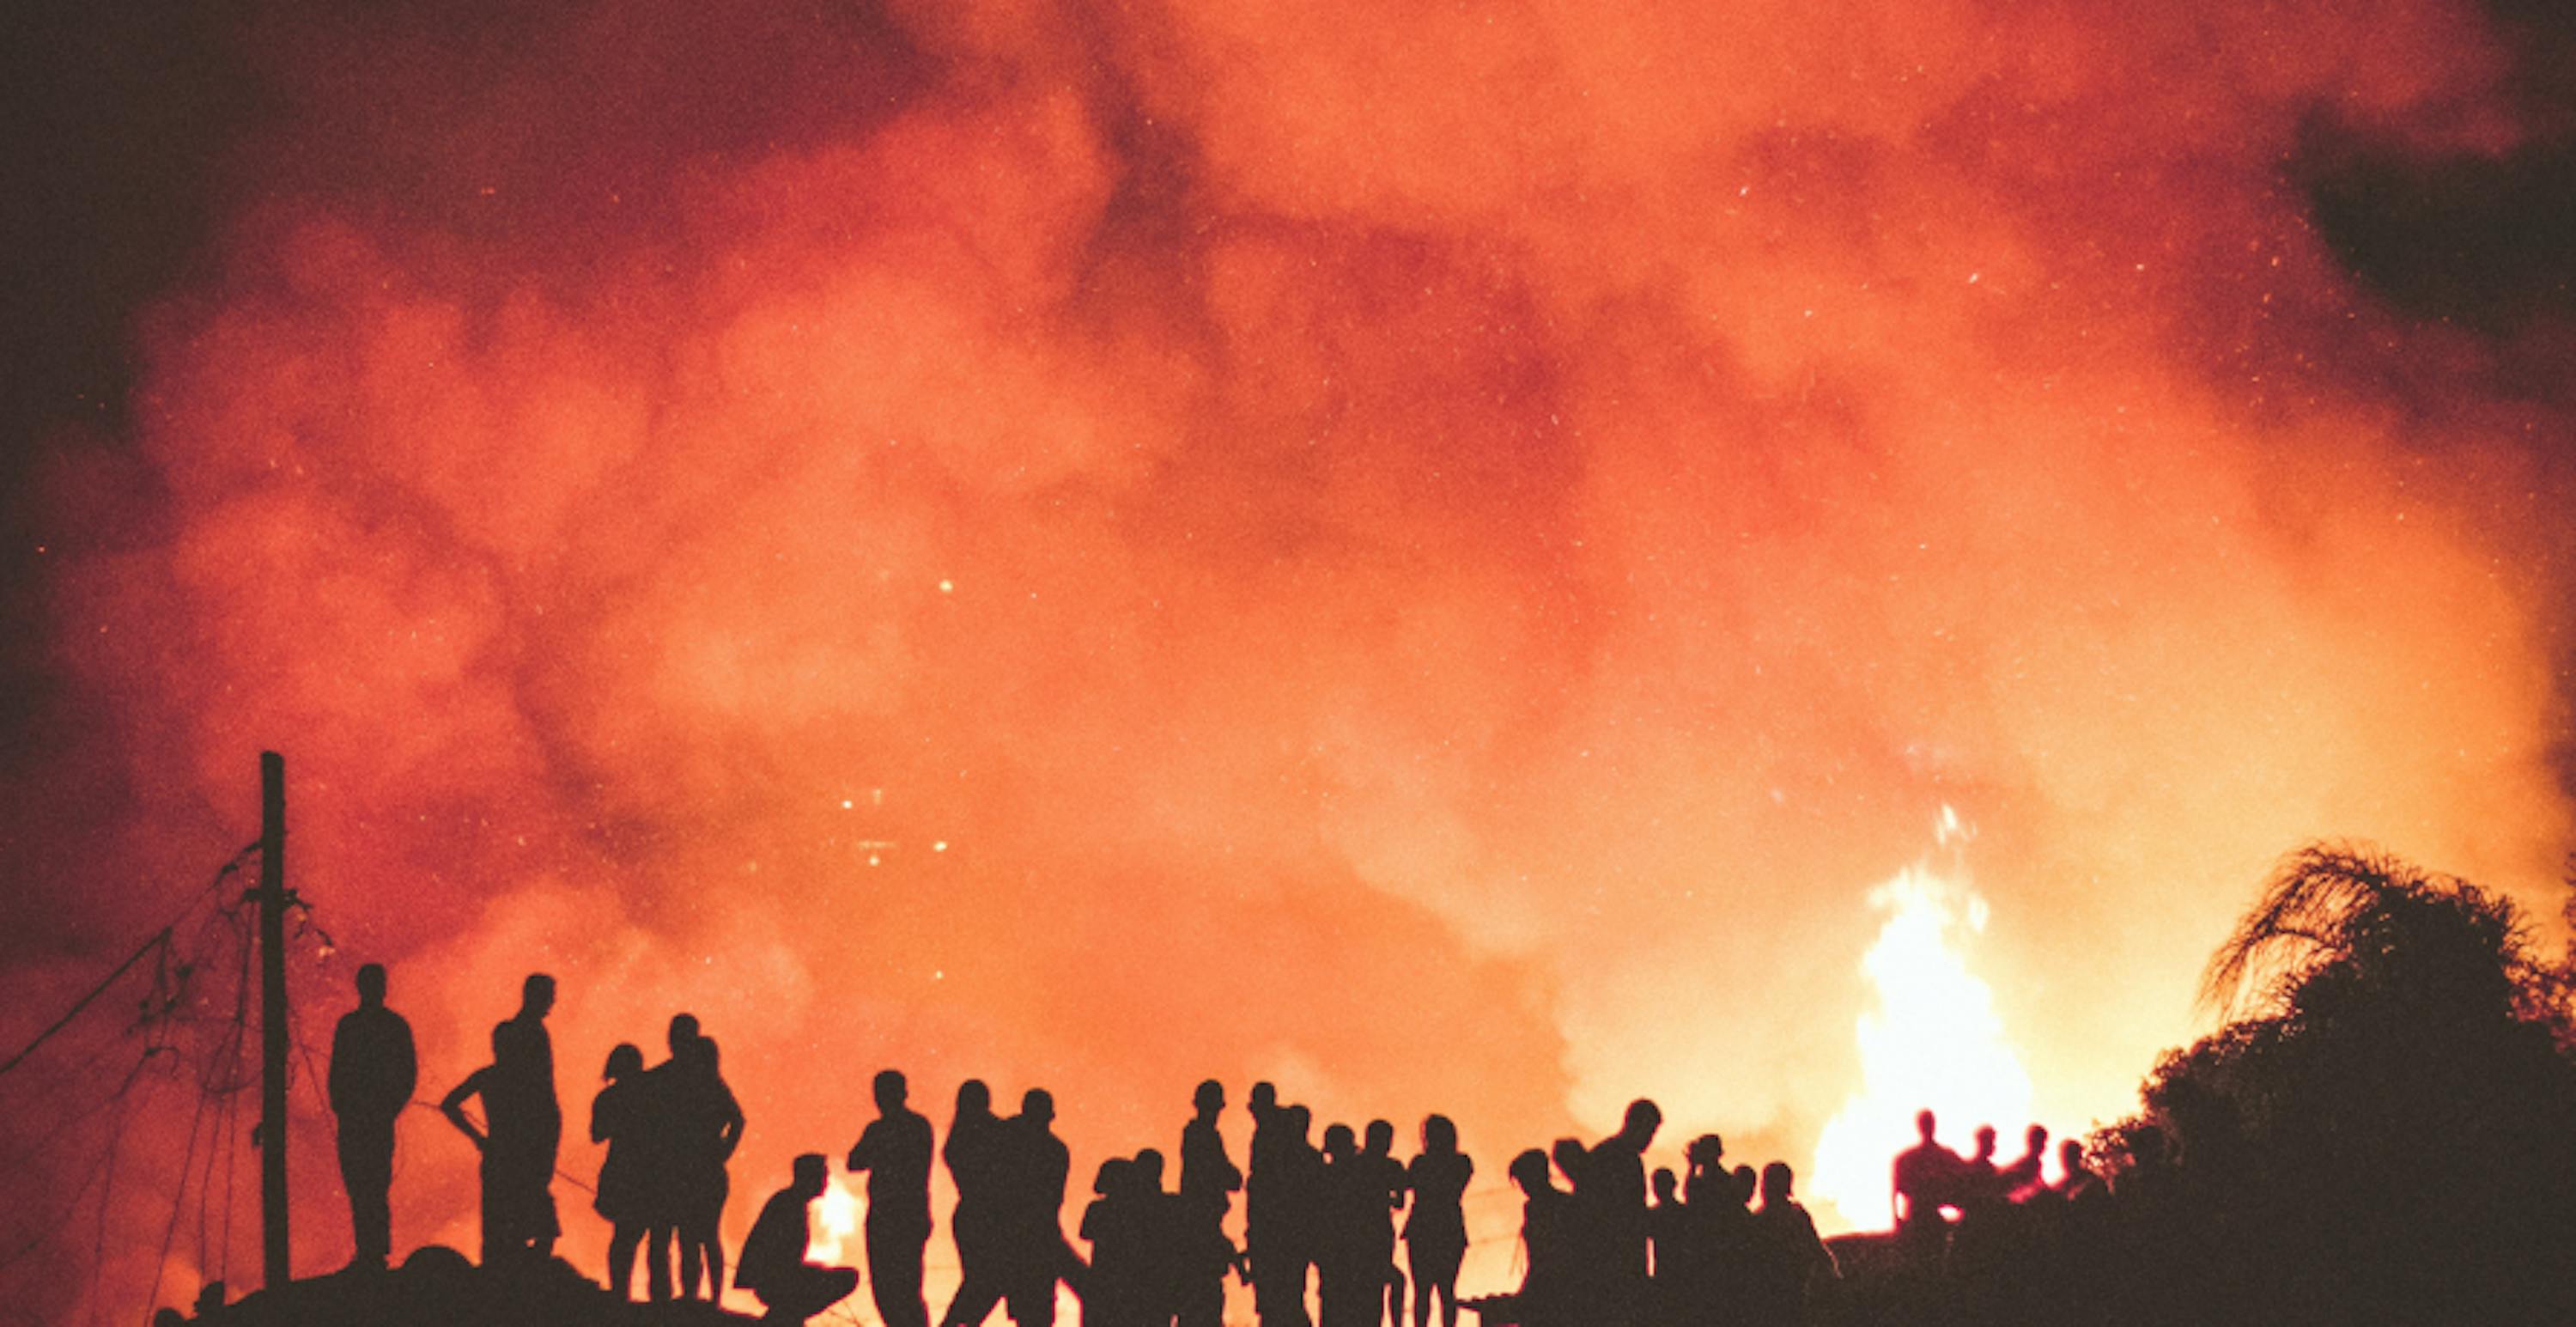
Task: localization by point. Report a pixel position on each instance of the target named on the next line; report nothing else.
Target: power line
(178, 1201)
(52, 1228)
(160, 939)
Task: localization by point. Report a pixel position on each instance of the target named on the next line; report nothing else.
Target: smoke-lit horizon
(1435, 556)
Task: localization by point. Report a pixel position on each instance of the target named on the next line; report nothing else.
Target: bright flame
(1932, 1039)
(838, 1221)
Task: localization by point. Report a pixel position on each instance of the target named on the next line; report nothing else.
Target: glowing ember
(836, 1219)
(1932, 1040)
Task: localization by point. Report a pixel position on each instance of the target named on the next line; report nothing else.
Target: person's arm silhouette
(406, 1062)
(453, 1105)
(729, 1135)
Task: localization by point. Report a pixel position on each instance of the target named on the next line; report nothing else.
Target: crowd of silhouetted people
(1604, 1241)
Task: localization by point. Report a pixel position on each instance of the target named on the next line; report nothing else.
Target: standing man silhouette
(524, 1128)
(895, 1151)
(1208, 1184)
(1035, 1163)
(1924, 1178)
(527, 1120)
(373, 1072)
(1615, 1172)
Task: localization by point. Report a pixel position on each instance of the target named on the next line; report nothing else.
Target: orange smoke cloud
(1432, 555)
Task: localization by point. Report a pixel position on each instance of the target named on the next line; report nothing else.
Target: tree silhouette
(2385, 1132)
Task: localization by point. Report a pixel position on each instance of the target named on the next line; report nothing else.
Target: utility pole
(272, 1015)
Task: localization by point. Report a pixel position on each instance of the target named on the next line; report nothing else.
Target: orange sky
(1431, 553)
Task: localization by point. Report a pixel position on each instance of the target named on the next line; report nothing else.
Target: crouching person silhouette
(773, 1266)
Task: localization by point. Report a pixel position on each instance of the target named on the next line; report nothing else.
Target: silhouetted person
(1616, 1168)
(525, 1127)
(1386, 1192)
(1788, 1255)
(1977, 1242)
(895, 1152)
(1550, 1293)
(1034, 1255)
(1208, 1182)
(687, 1120)
(619, 1117)
(2078, 1182)
(373, 1072)
(773, 1264)
(1159, 1245)
(710, 1124)
(1292, 1192)
(1350, 1280)
(973, 1154)
(1924, 1179)
(2022, 1178)
(1667, 1236)
(1709, 1269)
(1262, 1230)
(1980, 1182)
(1114, 1226)
(1588, 1231)
(666, 1189)
(1435, 1231)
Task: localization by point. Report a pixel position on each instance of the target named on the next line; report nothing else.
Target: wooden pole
(272, 1015)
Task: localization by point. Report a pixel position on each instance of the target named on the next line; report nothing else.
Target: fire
(838, 1220)
(1933, 1038)
(838, 518)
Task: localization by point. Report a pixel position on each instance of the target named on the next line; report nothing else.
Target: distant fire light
(1931, 1039)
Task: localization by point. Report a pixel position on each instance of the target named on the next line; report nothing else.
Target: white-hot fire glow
(836, 1220)
(1931, 1039)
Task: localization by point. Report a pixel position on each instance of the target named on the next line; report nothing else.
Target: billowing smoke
(1432, 553)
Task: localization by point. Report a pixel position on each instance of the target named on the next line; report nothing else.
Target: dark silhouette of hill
(437, 1287)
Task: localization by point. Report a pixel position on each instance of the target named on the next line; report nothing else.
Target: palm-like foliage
(2384, 1131)
(2334, 916)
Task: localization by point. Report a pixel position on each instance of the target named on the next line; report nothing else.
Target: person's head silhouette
(1985, 1142)
(537, 995)
(974, 1098)
(1925, 1125)
(1149, 1171)
(1529, 1170)
(2035, 1141)
(1265, 1096)
(1439, 1136)
(1037, 1104)
(1569, 1156)
(371, 986)
(684, 1029)
(1643, 1119)
(1666, 1184)
(1209, 1100)
(1338, 1143)
(1381, 1138)
(891, 1091)
(812, 1174)
(623, 1060)
(1776, 1179)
